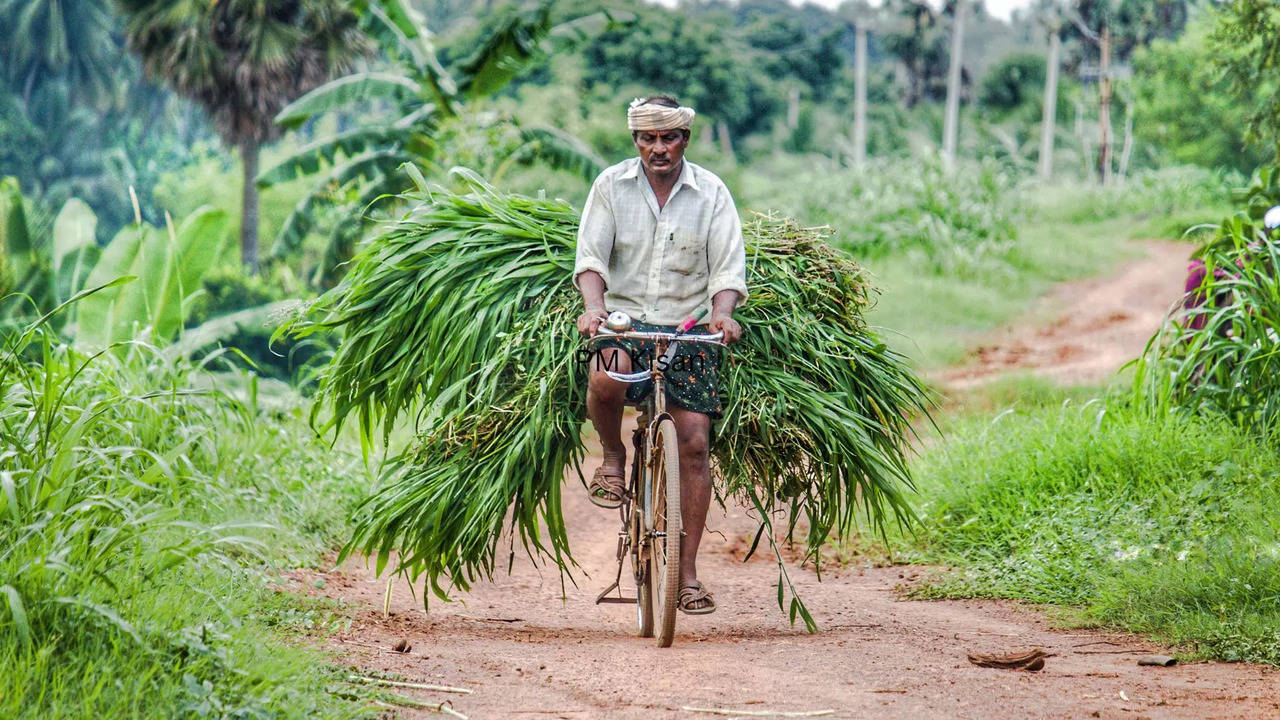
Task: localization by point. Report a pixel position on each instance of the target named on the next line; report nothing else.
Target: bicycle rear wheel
(663, 515)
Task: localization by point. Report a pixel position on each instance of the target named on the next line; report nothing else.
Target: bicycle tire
(665, 518)
(639, 569)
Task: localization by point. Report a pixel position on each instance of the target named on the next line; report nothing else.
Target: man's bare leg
(605, 398)
(694, 430)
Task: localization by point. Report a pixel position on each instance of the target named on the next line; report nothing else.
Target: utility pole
(1104, 112)
(950, 129)
(860, 95)
(1103, 41)
(1049, 119)
(793, 108)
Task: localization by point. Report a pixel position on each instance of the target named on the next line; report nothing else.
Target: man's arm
(591, 267)
(722, 306)
(727, 262)
(591, 285)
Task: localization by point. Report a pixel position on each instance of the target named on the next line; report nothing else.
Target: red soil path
(1082, 332)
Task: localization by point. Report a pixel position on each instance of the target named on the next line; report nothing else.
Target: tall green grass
(936, 318)
(141, 505)
(948, 222)
(1168, 202)
(1157, 523)
(959, 253)
(474, 293)
(1221, 355)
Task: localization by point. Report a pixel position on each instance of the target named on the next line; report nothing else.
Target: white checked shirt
(661, 265)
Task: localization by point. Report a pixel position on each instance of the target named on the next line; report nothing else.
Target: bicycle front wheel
(663, 515)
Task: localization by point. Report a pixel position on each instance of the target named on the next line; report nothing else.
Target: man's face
(661, 150)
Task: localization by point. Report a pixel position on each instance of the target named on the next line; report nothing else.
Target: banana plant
(359, 166)
(37, 275)
(168, 265)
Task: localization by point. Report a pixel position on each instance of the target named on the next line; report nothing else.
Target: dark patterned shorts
(693, 377)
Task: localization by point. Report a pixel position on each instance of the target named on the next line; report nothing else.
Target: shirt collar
(634, 170)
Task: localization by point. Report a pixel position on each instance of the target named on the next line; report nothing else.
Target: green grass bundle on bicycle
(460, 319)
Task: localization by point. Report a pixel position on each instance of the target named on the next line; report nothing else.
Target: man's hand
(722, 306)
(589, 321)
(724, 321)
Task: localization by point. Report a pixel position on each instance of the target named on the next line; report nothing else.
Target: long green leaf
(73, 231)
(15, 237)
(309, 159)
(18, 612)
(345, 91)
(366, 167)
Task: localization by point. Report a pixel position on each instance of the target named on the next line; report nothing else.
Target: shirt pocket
(686, 255)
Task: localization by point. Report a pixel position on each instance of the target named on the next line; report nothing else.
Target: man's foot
(696, 599)
(607, 487)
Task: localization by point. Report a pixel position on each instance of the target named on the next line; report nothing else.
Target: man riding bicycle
(660, 240)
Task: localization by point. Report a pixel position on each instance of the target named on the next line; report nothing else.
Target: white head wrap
(642, 115)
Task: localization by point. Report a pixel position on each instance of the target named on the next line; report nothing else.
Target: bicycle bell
(618, 321)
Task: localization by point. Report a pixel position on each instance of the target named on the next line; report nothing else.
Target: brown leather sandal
(607, 487)
(695, 593)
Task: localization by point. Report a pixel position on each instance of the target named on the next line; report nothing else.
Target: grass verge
(1160, 525)
(143, 510)
(935, 318)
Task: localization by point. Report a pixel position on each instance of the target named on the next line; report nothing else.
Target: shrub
(1220, 353)
(118, 505)
(1159, 523)
(951, 219)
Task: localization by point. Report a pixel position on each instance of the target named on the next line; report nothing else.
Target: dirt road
(527, 653)
(1082, 332)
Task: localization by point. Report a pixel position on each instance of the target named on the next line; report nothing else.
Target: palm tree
(428, 110)
(70, 39)
(242, 61)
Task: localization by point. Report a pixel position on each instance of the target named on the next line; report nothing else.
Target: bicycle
(650, 510)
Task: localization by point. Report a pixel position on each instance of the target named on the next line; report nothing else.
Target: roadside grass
(144, 509)
(957, 254)
(1162, 525)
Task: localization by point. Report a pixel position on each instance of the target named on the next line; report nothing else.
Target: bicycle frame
(635, 518)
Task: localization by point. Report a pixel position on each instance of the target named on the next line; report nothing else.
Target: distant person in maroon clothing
(1196, 297)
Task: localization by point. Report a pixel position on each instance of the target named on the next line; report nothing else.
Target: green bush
(227, 291)
(890, 207)
(1220, 355)
(1161, 523)
(119, 506)
(1173, 199)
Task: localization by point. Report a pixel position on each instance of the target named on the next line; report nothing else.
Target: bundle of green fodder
(462, 316)
(1219, 352)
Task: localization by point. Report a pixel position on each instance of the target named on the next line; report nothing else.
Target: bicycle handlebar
(675, 337)
(712, 339)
